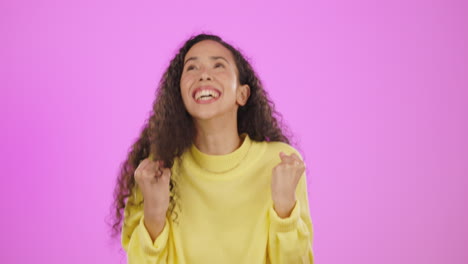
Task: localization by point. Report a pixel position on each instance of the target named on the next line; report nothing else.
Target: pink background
(375, 92)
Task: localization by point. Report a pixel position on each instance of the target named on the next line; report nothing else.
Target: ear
(243, 94)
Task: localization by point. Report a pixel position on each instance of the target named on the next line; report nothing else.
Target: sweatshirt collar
(221, 163)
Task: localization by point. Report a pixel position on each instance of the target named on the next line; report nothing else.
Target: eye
(191, 67)
(219, 64)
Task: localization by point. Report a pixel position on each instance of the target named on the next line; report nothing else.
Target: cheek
(233, 76)
(185, 82)
(232, 79)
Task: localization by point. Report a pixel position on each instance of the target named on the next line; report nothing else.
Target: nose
(205, 76)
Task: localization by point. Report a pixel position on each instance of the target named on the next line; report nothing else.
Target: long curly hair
(170, 129)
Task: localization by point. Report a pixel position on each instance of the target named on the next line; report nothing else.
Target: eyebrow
(212, 57)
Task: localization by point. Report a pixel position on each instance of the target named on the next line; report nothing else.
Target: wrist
(155, 214)
(284, 208)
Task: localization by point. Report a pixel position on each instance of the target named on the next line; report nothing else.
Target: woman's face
(209, 83)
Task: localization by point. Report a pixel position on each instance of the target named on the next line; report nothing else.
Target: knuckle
(137, 174)
(168, 172)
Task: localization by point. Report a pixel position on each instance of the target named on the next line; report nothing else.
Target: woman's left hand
(286, 176)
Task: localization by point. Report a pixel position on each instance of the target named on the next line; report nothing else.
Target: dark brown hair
(170, 130)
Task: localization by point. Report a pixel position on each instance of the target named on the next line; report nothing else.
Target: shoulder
(273, 148)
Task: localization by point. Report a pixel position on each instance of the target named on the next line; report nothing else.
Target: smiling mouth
(206, 99)
(206, 94)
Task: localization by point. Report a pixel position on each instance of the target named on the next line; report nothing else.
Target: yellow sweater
(226, 213)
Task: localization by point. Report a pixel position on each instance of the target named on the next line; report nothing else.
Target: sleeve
(136, 240)
(290, 239)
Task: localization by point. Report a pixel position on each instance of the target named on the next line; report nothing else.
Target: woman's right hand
(153, 180)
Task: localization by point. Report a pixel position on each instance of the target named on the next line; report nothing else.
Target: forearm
(290, 238)
(154, 221)
(284, 207)
(154, 226)
(141, 246)
(291, 231)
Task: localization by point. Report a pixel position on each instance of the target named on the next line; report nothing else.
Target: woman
(219, 180)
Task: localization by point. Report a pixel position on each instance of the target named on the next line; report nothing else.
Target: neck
(217, 136)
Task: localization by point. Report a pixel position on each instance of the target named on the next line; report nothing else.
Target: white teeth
(206, 94)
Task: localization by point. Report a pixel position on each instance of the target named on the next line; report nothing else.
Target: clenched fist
(153, 180)
(286, 176)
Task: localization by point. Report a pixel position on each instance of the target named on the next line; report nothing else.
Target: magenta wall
(377, 94)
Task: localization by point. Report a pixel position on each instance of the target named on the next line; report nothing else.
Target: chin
(207, 113)
(203, 116)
